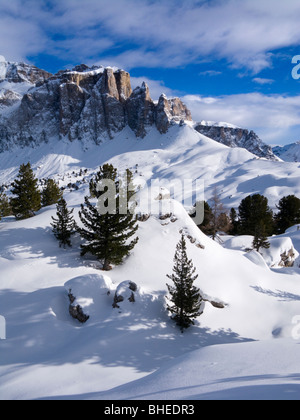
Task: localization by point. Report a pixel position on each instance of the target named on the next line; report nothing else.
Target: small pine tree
(28, 197)
(107, 234)
(64, 225)
(260, 238)
(51, 193)
(185, 297)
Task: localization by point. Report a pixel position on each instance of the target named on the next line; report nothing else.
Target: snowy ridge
(181, 153)
(288, 153)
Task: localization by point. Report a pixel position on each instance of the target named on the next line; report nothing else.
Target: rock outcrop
(125, 292)
(237, 137)
(86, 103)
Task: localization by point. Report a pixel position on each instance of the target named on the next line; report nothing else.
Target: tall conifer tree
(107, 233)
(28, 196)
(185, 297)
(64, 225)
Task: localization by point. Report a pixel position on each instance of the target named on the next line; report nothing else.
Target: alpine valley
(245, 345)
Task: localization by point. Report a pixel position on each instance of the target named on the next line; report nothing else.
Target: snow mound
(88, 291)
(281, 252)
(256, 258)
(125, 293)
(241, 243)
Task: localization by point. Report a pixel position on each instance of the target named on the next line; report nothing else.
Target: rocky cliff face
(90, 104)
(237, 137)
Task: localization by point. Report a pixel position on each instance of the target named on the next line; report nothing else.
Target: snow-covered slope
(48, 354)
(181, 153)
(233, 136)
(288, 153)
(265, 370)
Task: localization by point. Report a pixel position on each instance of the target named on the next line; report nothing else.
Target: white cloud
(262, 81)
(151, 32)
(210, 73)
(275, 118)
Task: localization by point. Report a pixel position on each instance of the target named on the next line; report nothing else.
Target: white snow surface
(289, 152)
(248, 350)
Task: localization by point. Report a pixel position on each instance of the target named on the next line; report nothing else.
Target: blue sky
(229, 60)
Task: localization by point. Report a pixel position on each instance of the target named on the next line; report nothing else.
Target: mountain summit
(85, 103)
(93, 104)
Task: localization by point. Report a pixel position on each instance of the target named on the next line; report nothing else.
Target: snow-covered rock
(289, 152)
(281, 252)
(233, 136)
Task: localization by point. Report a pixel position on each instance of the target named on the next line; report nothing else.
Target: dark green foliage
(107, 233)
(185, 297)
(64, 225)
(253, 210)
(106, 171)
(51, 193)
(28, 197)
(205, 226)
(289, 213)
(5, 208)
(260, 238)
(234, 223)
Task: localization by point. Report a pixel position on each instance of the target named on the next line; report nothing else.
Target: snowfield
(247, 350)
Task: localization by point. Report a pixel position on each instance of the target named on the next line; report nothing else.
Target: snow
(289, 152)
(218, 124)
(249, 349)
(3, 68)
(49, 355)
(182, 153)
(211, 374)
(271, 256)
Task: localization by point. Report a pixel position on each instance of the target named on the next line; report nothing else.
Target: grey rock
(85, 103)
(237, 137)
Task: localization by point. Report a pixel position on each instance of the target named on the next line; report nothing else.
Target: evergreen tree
(64, 225)
(28, 197)
(205, 226)
(51, 193)
(107, 232)
(185, 297)
(260, 238)
(289, 213)
(106, 171)
(5, 208)
(234, 223)
(253, 210)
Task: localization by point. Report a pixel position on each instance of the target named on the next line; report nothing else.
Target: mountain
(246, 342)
(16, 79)
(288, 153)
(88, 104)
(93, 104)
(233, 136)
